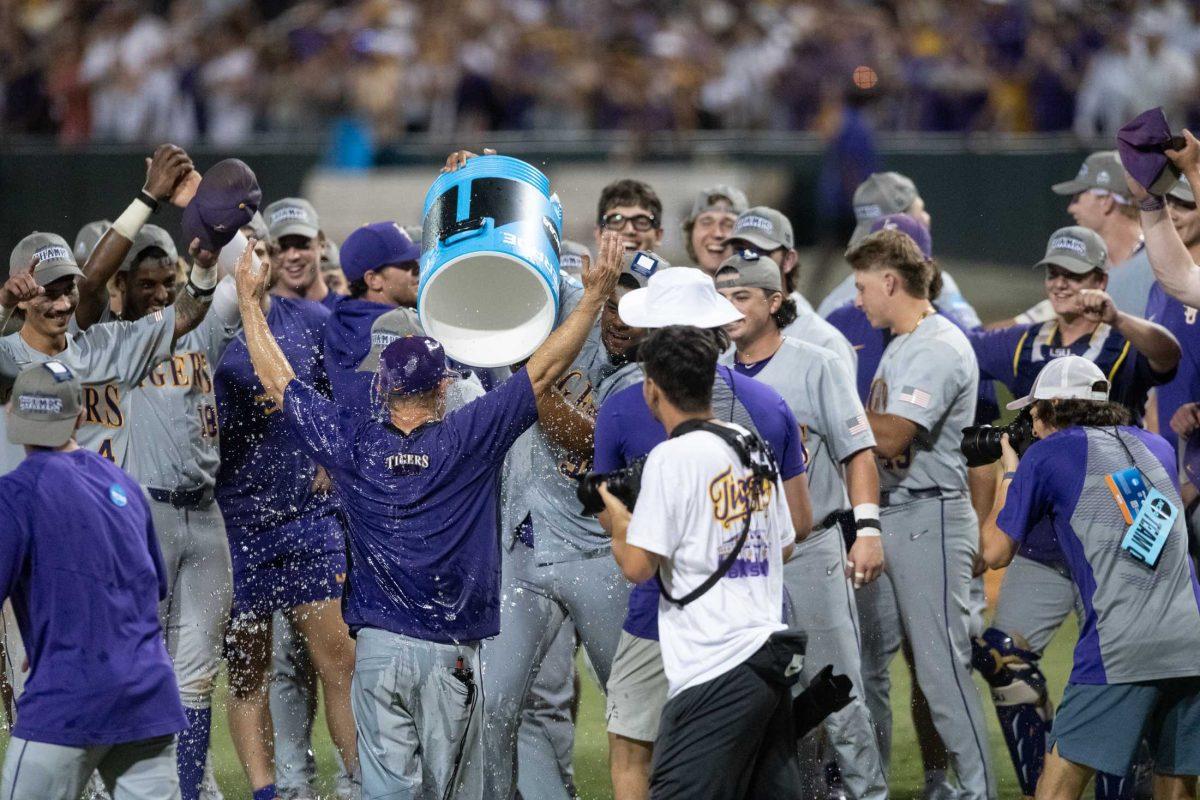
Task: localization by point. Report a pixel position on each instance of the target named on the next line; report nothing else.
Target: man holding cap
(626, 430)
(380, 263)
(1036, 595)
(707, 226)
(80, 561)
(844, 487)
(764, 231)
(297, 238)
(419, 492)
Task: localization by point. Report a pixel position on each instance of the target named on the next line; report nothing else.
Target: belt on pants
(182, 498)
(901, 496)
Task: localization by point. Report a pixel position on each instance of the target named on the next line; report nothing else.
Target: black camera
(981, 443)
(624, 484)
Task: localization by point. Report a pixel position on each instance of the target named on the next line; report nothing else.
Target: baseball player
(707, 226)
(922, 397)
(296, 235)
(1037, 594)
(881, 194)
(844, 486)
(766, 232)
(286, 540)
(79, 558)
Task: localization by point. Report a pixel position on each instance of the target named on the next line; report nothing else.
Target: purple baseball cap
(1141, 143)
(226, 199)
(908, 225)
(374, 246)
(411, 365)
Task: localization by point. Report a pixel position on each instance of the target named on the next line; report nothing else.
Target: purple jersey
(347, 342)
(266, 474)
(1185, 386)
(1139, 623)
(870, 343)
(422, 509)
(80, 561)
(627, 431)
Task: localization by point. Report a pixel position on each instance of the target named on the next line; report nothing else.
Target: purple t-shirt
(627, 431)
(81, 563)
(1185, 386)
(422, 509)
(266, 475)
(1139, 623)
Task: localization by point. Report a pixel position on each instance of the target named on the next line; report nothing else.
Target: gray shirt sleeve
(926, 381)
(846, 427)
(125, 352)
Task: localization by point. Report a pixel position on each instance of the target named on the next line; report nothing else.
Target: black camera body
(981, 443)
(625, 485)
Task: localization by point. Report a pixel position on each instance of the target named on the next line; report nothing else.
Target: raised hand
(164, 170)
(1096, 305)
(459, 158)
(21, 287)
(600, 279)
(251, 280)
(1188, 158)
(206, 259)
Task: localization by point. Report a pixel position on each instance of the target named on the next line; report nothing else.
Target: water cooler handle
(466, 229)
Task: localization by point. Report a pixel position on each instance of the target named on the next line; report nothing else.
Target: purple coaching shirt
(422, 509)
(627, 431)
(81, 563)
(1185, 386)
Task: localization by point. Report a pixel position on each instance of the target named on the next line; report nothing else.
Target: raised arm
(551, 360)
(163, 171)
(1169, 258)
(1156, 343)
(192, 304)
(270, 364)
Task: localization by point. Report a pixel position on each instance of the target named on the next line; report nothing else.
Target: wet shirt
(347, 342)
(1185, 386)
(627, 431)
(1139, 623)
(80, 561)
(422, 508)
(266, 473)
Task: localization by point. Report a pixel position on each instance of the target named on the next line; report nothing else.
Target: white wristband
(132, 219)
(867, 512)
(204, 278)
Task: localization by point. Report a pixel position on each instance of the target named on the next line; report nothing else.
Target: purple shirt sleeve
(791, 455)
(994, 350)
(490, 424)
(607, 440)
(14, 544)
(1029, 496)
(325, 429)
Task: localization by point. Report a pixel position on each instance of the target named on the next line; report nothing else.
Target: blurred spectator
(222, 71)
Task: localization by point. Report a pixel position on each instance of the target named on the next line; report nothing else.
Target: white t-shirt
(691, 510)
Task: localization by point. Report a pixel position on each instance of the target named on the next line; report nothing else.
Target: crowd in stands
(225, 72)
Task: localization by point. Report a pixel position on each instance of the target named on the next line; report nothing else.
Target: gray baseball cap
(639, 266)
(742, 270)
(292, 216)
(765, 228)
(45, 405)
(149, 236)
(727, 198)
(882, 193)
(55, 259)
(571, 255)
(1182, 190)
(387, 328)
(1100, 170)
(88, 237)
(1077, 249)
(258, 227)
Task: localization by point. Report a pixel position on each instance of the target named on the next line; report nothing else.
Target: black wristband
(198, 293)
(1152, 203)
(859, 524)
(148, 199)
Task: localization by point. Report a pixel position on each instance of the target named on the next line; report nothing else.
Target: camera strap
(755, 457)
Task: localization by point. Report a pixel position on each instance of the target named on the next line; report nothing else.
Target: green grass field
(591, 750)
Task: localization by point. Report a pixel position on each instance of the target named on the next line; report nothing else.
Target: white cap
(1066, 378)
(677, 297)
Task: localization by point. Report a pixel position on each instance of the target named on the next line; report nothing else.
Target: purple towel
(1141, 143)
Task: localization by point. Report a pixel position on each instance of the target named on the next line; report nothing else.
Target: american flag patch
(157, 316)
(918, 397)
(858, 425)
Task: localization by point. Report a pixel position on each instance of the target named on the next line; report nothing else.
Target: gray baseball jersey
(111, 360)
(812, 328)
(929, 377)
(175, 443)
(951, 299)
(833, 425)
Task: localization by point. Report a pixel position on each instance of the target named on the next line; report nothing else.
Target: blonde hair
(895, 250)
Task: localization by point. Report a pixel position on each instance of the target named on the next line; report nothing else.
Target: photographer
(1109, 491)
(704, 507)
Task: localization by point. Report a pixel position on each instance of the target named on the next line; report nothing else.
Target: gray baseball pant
(546, 739)
(592, 593)
(924, 596)
(823, 607)
(420, 728)
(142, 770)
(1034, 600)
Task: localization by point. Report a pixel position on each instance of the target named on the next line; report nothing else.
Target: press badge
(1129, 488)
(1148, 534)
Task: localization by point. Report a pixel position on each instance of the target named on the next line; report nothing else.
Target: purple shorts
(299, 562)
